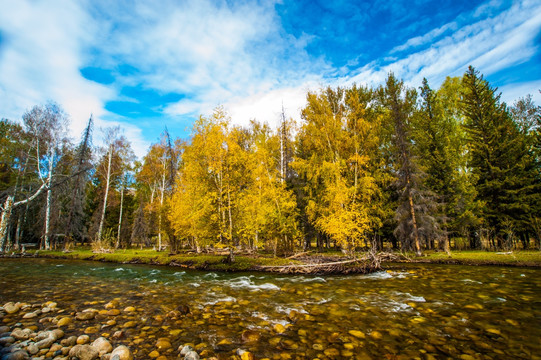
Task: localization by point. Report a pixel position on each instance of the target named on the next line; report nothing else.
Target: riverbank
(268, 263)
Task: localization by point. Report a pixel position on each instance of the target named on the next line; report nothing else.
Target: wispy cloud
(143, 65)
(490, 44)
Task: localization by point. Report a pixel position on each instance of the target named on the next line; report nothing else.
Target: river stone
(183, 309)
(32, 349)
(119, 334)
(102, 345)
(84, 352)
(279, 328)
(20, 334)
(51, 305)
(357, 333)
(245, 355)
(46, 310)
(6, 340)
(91, 330)
(64, 321)
(249, 336)
(154, 354)
(163, 344)
(121, 353)
(72, 340)
(58, 334)
(129, 324)
(83, 339)
(113, 312)
(191, 355)
(89, 315)
(30, 315)
(11, 308)
(129, 309)
(331, 352)
(185, 349)
(47, 342)
(17, 355)
(111, 304)
(4, 329)
(55, 347)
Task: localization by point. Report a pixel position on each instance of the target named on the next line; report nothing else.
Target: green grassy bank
(254, 262)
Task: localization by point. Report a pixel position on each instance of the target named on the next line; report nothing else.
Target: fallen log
(360, 266)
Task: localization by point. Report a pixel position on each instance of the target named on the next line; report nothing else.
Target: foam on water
(225, 299)
(246, 283)
(380, 275)
(471, 281)
(413, 298)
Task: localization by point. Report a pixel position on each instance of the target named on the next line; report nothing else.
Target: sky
(147, 65)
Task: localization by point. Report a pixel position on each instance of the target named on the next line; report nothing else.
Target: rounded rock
(17, 355)
(121, 353)
(83, 339)
(32, 349)
(64, 321)
(185, 349)
(250, 336)
(72, 340)
(191, 355)
(163, 344)
(11, 308)
(20, 334)
(102, 345)
(84, 352)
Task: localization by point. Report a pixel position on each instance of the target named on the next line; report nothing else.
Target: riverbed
(408, 311)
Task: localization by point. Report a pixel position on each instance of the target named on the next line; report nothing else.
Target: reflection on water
(415, 311)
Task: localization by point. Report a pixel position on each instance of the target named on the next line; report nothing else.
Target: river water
(406, 312)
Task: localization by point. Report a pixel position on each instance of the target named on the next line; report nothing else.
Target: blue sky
(145, 65)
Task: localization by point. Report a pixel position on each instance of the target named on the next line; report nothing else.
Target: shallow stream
(408, 311)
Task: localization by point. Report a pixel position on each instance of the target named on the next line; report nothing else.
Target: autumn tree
(333, 154)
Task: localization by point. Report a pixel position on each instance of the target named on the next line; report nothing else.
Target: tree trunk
(6, 214)
(160, 213)
(117, 245)
(415, 229)
(49, 202)
(107, 181)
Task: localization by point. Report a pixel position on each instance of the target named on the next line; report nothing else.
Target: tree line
(388, 166)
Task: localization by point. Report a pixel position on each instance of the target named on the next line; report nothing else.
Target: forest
(388, 167)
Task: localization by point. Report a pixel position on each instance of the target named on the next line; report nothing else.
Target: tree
(499, 158)
(334, 151)
(416, 206)
(81, 167)
(117, 157)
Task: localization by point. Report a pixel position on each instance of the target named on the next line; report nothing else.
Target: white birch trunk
(49, 202)
(107, 181)
(120, 217)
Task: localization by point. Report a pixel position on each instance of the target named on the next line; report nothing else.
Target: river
(406, 312)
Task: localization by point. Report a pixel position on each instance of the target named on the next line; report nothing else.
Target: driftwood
(362, 265)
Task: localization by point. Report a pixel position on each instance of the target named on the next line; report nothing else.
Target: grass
(148, 256)
(480, 257)
(245, 263)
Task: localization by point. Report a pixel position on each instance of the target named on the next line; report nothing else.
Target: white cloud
(490, 45)
(267, 107)
(43, 47)
(513, 92)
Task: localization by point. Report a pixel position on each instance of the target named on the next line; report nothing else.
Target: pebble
(122, 353)
(83, 339)
(102, 345)
(64, 321)
(191, 355)
(84, 352)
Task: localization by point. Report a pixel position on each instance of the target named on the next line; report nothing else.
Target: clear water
(408, 311)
